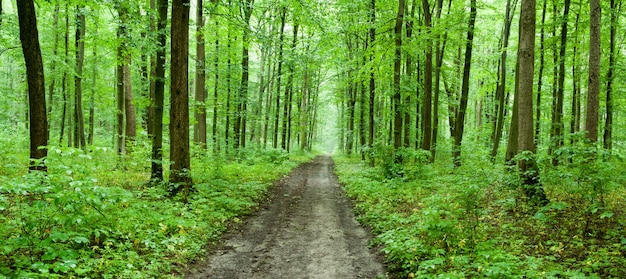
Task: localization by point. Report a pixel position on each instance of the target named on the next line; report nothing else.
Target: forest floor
(305, 229)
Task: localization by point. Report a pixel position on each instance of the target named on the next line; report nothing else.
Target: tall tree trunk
(440, 48)
(608, 125)
(526, 53)
(397, 94)
(559, 127)
(591, 122)
(501, 86)
(542, 60)
(199, 130)
(129, 107)
(92, 98)
(159, 92)
(281, 39)
(513, 143)
(576, 88)
(29, 37)
(180, 168)
(460, 119)
(427, 130)
(216, 64)
(408, 68)
(242, 98)
(372, 80)
(66, 37)
(120, 97)
(289, 92)
(55, 52)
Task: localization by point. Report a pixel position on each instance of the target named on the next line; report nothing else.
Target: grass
(92, 218)
(473, 222)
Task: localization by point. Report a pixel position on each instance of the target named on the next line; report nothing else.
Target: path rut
(306, 229)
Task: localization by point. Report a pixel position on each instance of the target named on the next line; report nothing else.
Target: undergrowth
(90, 217)
(474, 222)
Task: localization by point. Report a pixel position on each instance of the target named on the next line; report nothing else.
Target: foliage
(86, 219)
(471, 222)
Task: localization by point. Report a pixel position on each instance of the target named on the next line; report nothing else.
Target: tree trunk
(427, 129)
(242, 98)
(526, 57)
(542, 60)
(180, 168)
(29, 37)
(121, 141)
(513, 143)
(559, 132)
(372, 80)
(216, 65)
(440, 47)
(397, 94)
(55, 52)
(200, 94)
(608, 125)
(289, 92)
(501, 86)
(576, 88)
(159, 92)
(591, 122)
(129, 107)
(281, 39)
(460, 119)
(66, 38)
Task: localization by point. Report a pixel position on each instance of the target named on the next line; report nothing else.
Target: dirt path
(305, 230)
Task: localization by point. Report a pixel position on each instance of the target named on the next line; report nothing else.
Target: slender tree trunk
(216, 65)
(159, 92)
(372, 80)
(513, 143)
(542, 53)
(29, 37)
(397, 94)
(560, 96)
(576, 88)
(121, 141)
(200, 94)
(408, 68)
(460, 119)
(281, 39)
(501, 87)
(289, 92)
(427, 130)
(55, 52)
(591, 122)
(129, 107)
(440, 47)
(242, 99)
(608, 125)
(92, 98)
(66, 37)
(180, 168)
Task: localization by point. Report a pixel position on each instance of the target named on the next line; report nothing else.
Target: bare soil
(305, 229)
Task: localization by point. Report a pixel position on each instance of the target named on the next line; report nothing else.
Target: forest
(476, 138)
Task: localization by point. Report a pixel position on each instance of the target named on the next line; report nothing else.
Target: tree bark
(242, 96)
(591, 122)
(200, 94)
(501, 86)
(281, 39)
(372, 80)
(542, 60)
(29, 37)
(427, 129)
(180, 168)
(159, 92)
(526, 55)
(397, 62)
(460, 119)
(608, 125)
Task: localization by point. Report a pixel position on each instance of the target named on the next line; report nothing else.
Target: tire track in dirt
(306, 229)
